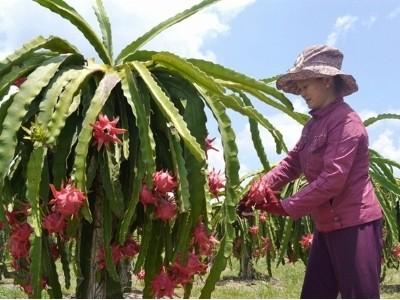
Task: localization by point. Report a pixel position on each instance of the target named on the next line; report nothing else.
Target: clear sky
(260, 38)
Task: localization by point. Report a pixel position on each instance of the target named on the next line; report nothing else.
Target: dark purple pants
(345, 261)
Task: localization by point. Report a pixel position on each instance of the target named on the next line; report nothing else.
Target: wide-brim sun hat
(316, 62)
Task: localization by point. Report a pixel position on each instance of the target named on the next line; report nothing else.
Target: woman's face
(317, 92)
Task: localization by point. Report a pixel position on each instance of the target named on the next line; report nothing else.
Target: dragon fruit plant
(111, 159)
(104, 165)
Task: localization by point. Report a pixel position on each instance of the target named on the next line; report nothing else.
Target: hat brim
(288, 82)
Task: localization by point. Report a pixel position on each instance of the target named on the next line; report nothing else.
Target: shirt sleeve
(340, 153)
(287, 170)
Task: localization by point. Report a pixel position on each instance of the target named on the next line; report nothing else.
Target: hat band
(314, 64)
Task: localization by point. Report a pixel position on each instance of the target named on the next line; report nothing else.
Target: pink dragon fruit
(21, 232)
(179, 274)
(130, 248)
(54, 223)
(203, 240)
(17, 215)
(195, 266)
(68, 200)
(146, 196)
(163, 286)
(257, 192)
(27, 288)
(19, 249)
(164, 182)
(116, 256)
(306, 241)
(215, 182)
(165, 209)
(105, 131)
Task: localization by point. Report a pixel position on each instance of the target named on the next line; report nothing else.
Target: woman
(332, 153)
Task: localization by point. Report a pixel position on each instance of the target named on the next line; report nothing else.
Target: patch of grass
(390, 287)
(10, 291)
(286, 282)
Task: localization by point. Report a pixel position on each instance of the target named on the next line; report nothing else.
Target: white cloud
(129, 20)
(388, 145)
(394, 13)
(342, 25)
(369, 22)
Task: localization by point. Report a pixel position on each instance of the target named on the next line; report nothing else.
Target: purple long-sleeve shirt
(332, 153)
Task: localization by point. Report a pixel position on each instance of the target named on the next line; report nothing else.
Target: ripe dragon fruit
(163, 286)
(164, 182)
(203, 240)
(215, 182)
(183, 273)
(258, 197)
(17, 215)
(68, 200)
(257, 192)
(27, 285)
(105, 131)
(116, 256)
(130, 248)
(54, 223)
(19, 244)
(195, 266)
(306, 241)
(21, 232)
(27, 288)
(179, 274)
(146, 196)
(165, 209)
(19, 249)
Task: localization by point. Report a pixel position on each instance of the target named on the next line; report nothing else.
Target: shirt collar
(321, 112)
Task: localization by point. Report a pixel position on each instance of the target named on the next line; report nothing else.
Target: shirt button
(336, 219)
